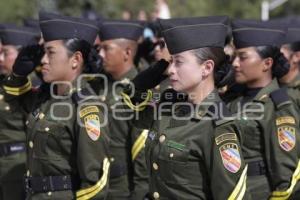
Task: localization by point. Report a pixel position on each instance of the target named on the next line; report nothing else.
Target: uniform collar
(130, 74)
(295, 82)
(201, 109)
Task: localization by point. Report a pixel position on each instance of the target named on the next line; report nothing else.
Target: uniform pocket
(48, 140)
(173, 163)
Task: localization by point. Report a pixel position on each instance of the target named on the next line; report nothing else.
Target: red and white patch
(92, 126)
(286, 137)
(230, 157)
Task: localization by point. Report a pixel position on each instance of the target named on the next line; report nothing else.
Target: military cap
(293, 33)
(184, 34)
(247, 33)
(116, 29)
(11, 34)
(59, 27)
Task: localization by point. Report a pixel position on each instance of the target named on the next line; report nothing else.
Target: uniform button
(156, 195)
(171, 155)
(103, 98)
(112, 159)
(28, 173)
(49, 193)
(155, 166)
(27, 122)
(1, 97)
(162, 138)
(30, 144)
(7, 108)
(41, 116)
(47, 129)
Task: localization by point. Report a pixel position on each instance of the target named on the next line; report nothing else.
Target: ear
(76, 60)
(208, 68)
(127, 53)
(267, 64)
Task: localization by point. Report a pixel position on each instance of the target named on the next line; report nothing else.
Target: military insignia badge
(286, 137)
(92, 126)
(231, 157)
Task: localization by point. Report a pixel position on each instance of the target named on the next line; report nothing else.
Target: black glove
(151, 77)
(28, 58)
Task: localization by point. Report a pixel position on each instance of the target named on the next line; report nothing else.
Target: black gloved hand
(28, 58)
(151, 77)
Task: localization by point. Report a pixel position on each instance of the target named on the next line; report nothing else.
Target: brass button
(7, 108)
(28, 173)
(47, 129)
(156, 195)
(162, 138)
(171, 155)
(155, 166)
(112, 159)
(41, 116)
(27, 122)
(30, 144)
(49, 193)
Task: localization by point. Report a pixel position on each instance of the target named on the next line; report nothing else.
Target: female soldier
(270, 139)
(67, 154)
(192, 152)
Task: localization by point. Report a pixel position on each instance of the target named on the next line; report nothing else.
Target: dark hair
(280, 65)
(223, 71)
(92, 60)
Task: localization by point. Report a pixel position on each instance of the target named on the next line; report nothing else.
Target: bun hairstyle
(223, 71)
(91, 59)
(280, 65)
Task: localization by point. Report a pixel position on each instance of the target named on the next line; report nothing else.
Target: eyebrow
(178, 56)
(49, 48)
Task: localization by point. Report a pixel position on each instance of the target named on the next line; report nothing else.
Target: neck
(198, 94)
(123, 70)
(260, 82)
(290, 76)
(63, 88)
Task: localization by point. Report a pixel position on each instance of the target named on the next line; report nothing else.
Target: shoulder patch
(285, 120)
(225, 137)
(88, 110)
(231, 158)
(286, 137)
(92, 126)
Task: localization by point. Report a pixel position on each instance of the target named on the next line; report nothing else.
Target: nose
(236, 63)
(102, 53)
(171, 69)
(45, 59)
(1, 57)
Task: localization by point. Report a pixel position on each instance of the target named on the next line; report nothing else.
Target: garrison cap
(11, 34)
(184, 34)
(116, 29)
(293, 33)
(247, 33)
(59, 27)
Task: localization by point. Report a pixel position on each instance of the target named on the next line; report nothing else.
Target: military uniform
(192, 151)
(12, 125)
(66, 146)
(67, 151)
(271, 165)
(128, 175)
(269, 121)
(12, 150)
(190, 159)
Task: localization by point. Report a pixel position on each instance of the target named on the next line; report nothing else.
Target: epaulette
(82, 95)
(220, 113)
(280, 97)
